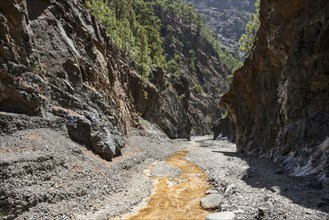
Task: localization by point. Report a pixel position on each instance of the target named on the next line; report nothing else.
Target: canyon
(83, 134)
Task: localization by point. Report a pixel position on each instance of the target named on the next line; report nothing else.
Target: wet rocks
(221, 216)
(212, 201)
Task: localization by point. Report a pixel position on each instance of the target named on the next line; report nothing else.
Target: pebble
(221, 216)
(239, 211)
(261, 211)
(230, 189)
(212, 191)
(275, 189)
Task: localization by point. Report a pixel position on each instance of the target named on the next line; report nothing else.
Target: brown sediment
(177, 198)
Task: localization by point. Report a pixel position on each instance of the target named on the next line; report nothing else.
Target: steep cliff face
(279, 99)
(226, 18)
(57, 62)
(184, 100)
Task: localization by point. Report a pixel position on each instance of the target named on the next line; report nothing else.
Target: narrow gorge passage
(178, 197)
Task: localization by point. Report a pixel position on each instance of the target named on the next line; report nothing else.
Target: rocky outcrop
(279, 99)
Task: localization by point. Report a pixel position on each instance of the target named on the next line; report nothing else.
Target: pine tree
(143, 55)
(248, 39)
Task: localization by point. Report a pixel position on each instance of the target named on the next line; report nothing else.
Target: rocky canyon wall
(60, 69)
(279, 99)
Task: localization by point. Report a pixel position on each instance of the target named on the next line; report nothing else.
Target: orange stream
(177, 198)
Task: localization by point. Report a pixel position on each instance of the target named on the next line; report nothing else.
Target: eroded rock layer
(279, 99)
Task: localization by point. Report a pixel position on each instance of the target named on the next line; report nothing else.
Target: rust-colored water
(177, 198)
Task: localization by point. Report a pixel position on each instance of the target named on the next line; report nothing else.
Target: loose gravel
(45, 175)
(253, 187)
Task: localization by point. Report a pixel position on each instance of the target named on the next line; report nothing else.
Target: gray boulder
(99, 138)
(212, 201)
(106, 144)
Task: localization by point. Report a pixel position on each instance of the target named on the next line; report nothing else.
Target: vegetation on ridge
(248, 39)
(135, 28)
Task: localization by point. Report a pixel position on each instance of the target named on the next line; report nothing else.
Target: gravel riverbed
(257, 188)
(44, 175)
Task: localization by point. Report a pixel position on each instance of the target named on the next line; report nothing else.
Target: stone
(212, 191)
(221, 216)
(230, 189)
(321, 204)
(275, 189)
(212, 201)
(325, 197)
(262, 211)
(99, 138)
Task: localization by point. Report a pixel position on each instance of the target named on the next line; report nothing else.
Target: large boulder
(99, 138)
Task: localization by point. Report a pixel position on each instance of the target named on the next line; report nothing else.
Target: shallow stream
(179, 197)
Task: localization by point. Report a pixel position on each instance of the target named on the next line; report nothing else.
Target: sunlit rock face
(279, 100)
(226, 18)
